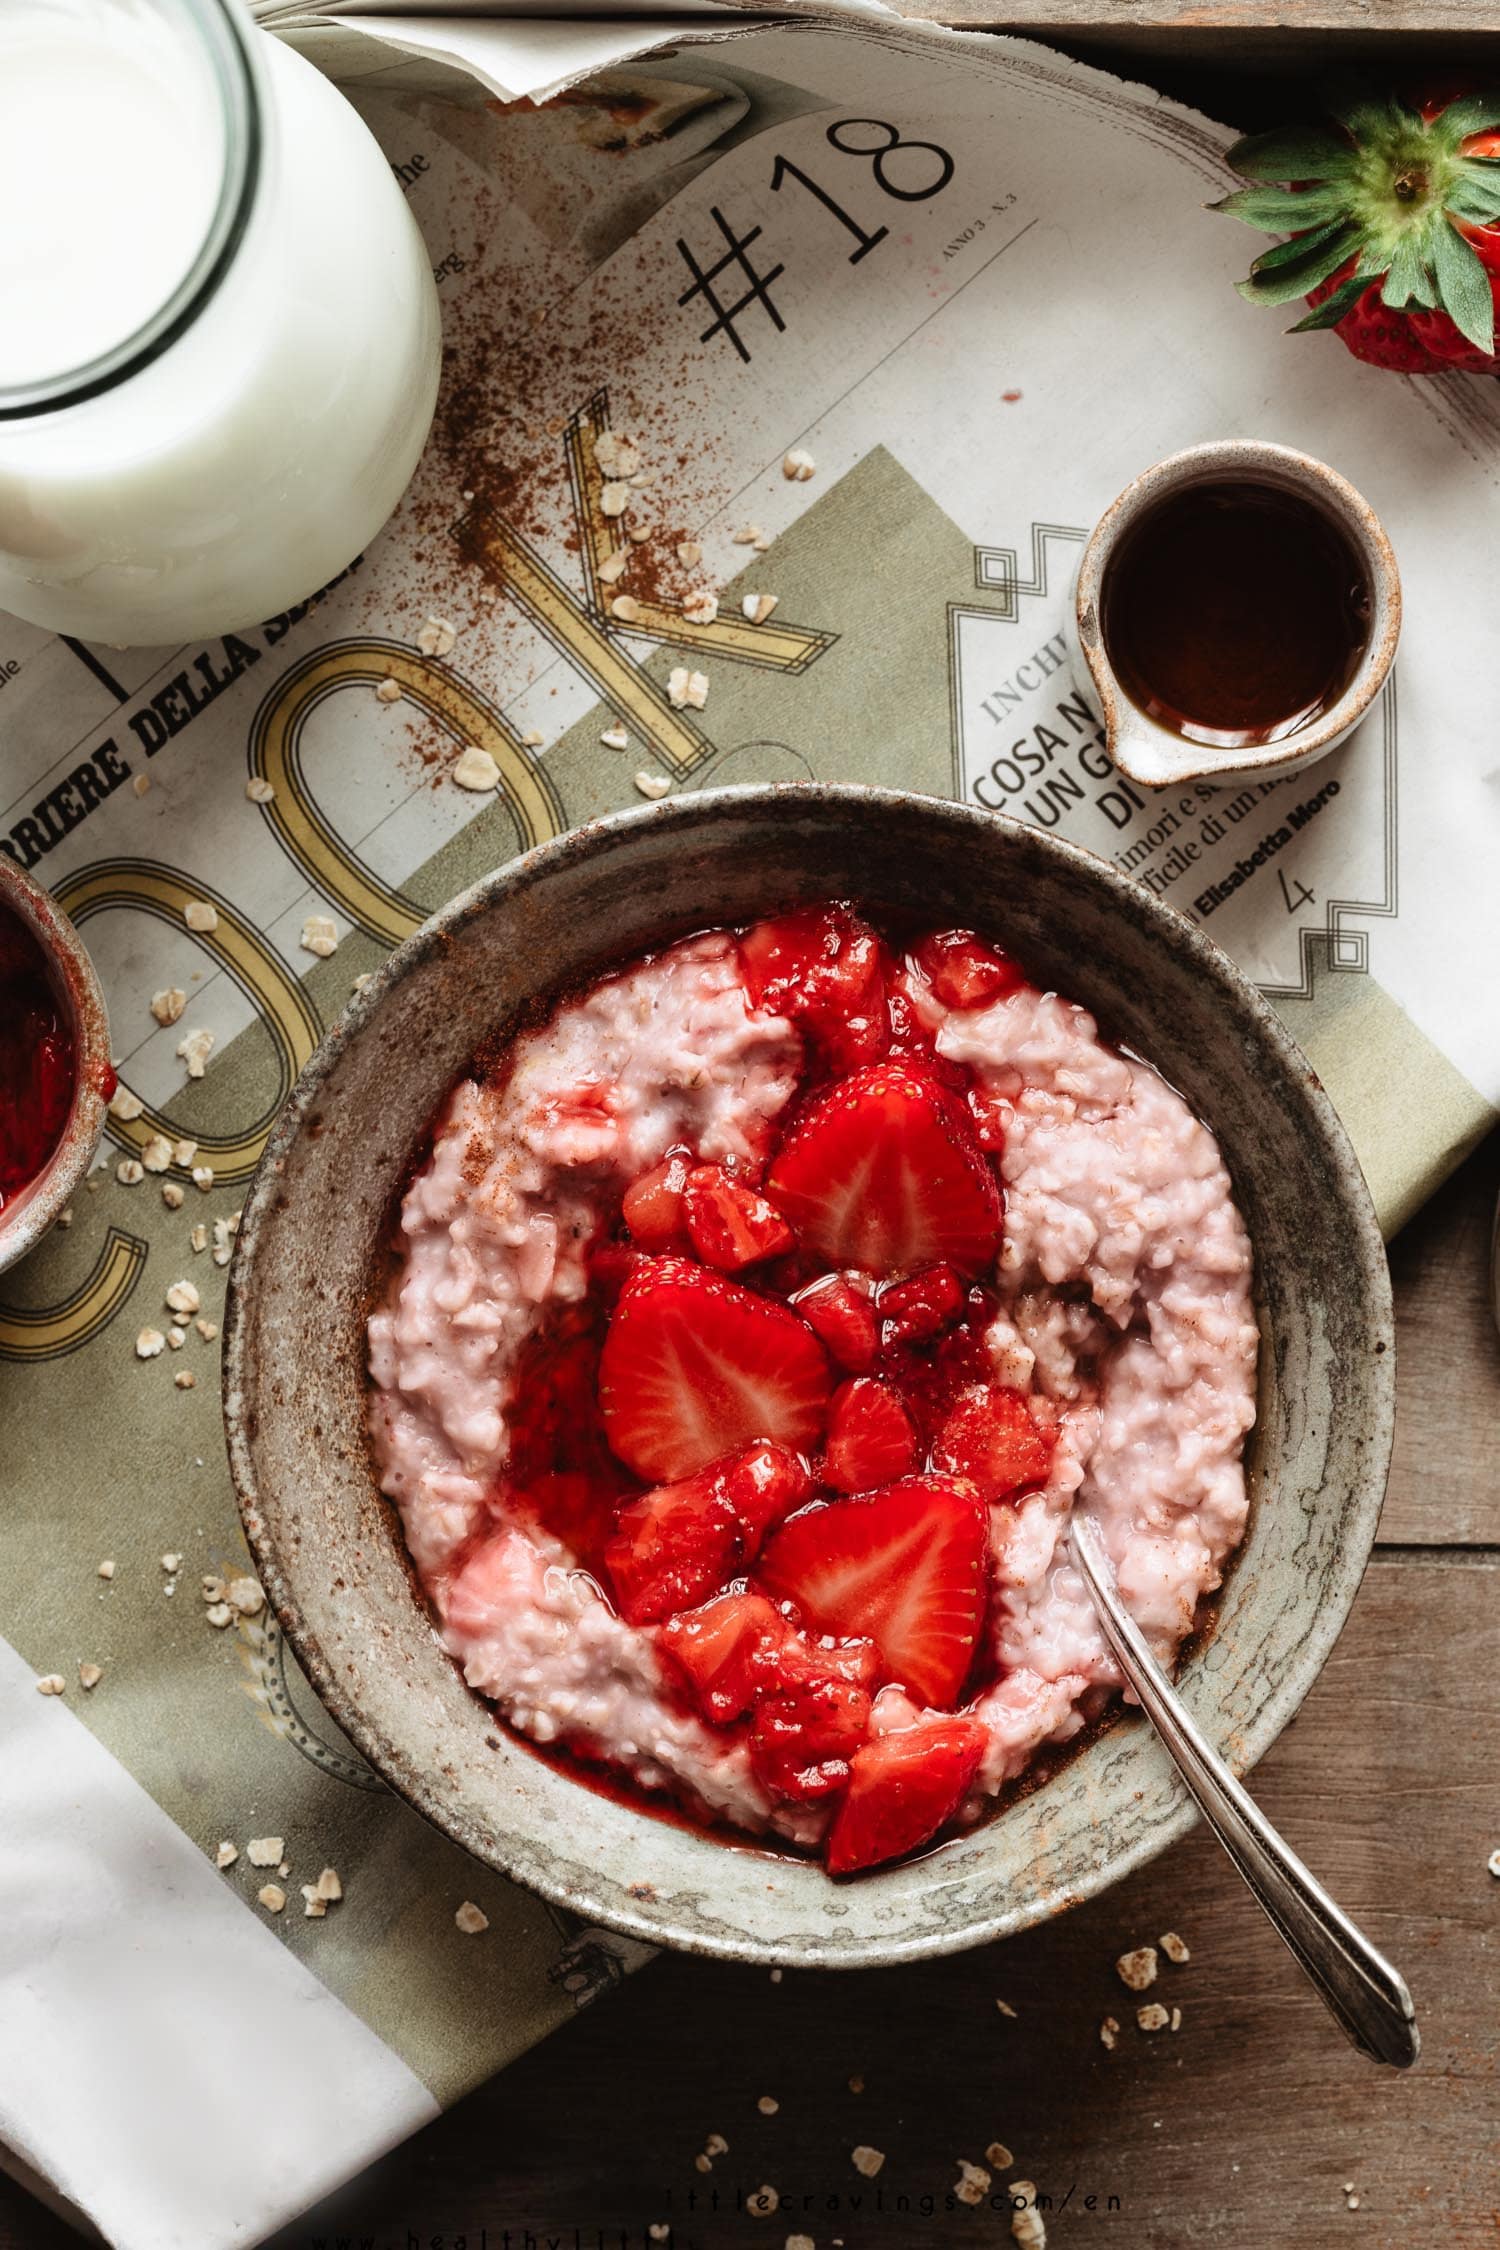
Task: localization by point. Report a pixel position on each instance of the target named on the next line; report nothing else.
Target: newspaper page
(885, 319)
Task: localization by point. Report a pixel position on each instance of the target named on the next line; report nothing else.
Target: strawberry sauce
(38, 1064)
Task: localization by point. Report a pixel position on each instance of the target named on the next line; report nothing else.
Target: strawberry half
(883, 1173)
(694, 1366)
(671, 1547)
(825, 969)
(729, 1225)
(870, 1437)
(904, 1568)
(902, 1787)
(989, 1437)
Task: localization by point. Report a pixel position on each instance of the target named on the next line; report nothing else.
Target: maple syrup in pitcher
(1234, 612)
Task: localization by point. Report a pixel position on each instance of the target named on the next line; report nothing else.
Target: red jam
(38, 1064)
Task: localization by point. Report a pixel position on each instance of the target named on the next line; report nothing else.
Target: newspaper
(971, 284)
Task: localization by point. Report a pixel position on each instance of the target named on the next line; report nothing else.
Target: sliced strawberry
(724, 1652)
(729, 1225)
(845, 1320)
(762, 1485)
(989, 1437)
(883, 1173)
(963, 971)
(904, 1568)
(801, 1661)
(922, 1306)
(671, 1549)
(825, 969)
(801, 1744)
(988, 1115)
(902, 1787)
(695, 1366)
(652, 1208)
(870, 1437)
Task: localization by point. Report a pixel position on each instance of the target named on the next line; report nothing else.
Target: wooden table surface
(1253, 2127)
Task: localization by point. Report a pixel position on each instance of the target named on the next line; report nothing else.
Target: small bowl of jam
(56, 1078)
(1239, 607)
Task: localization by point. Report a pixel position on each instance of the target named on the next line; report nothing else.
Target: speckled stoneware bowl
(329, 1548)
(26, 1218)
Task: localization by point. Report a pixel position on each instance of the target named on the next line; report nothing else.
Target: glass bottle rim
(226, 41)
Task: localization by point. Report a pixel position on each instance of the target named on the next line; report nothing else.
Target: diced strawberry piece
(989, 1437)
(652, 1208)
(825, 969)
(730, 1226)
(870, 1437)
(882, 1173)
(724, 1651)
(988, 1113)
(845, 1320)
(671, 1549)
(902, 1787)
(963, 971)
(801, 1744)
(904, 1568)
(762, 1485)
(695, 1366)
(923, 1306)
(800, 1661)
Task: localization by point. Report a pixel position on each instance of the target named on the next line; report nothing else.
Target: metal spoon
(1366, 1996)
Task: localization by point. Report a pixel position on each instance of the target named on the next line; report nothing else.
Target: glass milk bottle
(219, 333)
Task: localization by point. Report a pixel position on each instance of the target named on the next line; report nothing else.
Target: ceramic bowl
(26, 1219)
(329, 1548)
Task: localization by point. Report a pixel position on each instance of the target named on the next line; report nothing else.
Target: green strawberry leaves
(1381, 197)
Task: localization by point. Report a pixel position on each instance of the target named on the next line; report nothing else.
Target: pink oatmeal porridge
(756, 1323)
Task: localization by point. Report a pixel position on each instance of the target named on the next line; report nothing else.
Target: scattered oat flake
(1006, 2009)
(652, 784)
(183, 1152)
(388, 691)
(532, 740)
(614, 499)
(1493, 1864)
(194, 1049)
(999, 2155)
(687, 689)
(973, 2182)
(200, 916)
(185, 1379)
(750, 535)
(1138, 1969)
(313, 1907)
(213, 1590)
(800, 2242)
(320, 934)
(626, 608)
(203, 1180)
(259, 790)
(1153, 2017)
(701, 609)
(182, 1297)
(156, 1153)
(176, 1338)
(150, 1344)
(638, 528)
(768, 2105)
(798, 466)
(140, 783)
(125, 1105)
(89, 1675)
(199, 1237)
(171, 1563)
(716, 2145)
(1109, 2031)
(265, 1851)
(616, 456)
(1026, 2223)
(172, 1194)
(471, 1919)
(689, 553)
(756, 608)
(1173, 1947)
(130, 1171)
(1176, 2022)
(272, 1897)
(329, 1886)
(52, 1683)
(227, 1854)
(611, 571)
(763, 2203)
(615, 738)
(168, 1004)
(65, 1216)
(856, 2085)
(106, 1569)
(246, 1595)
(867, 2160)
(658, 2231)
(436, 637)
(476, 770)
(776, 1975)
(219, 1614)
(703, 2163)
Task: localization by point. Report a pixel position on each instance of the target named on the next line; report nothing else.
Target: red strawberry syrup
(38, 1062)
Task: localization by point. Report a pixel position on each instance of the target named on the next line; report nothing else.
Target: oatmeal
(757, 1325)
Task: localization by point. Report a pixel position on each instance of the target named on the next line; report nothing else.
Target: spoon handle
(1368, 1998)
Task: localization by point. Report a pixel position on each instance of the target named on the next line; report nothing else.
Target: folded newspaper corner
(882, 350)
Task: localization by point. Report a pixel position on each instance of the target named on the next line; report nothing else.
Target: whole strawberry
(1393, 215)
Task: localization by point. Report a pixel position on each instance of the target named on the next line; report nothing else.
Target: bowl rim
(25, 1220)
(1367, 1254)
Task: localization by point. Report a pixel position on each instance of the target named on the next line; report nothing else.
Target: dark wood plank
(1238, 2130)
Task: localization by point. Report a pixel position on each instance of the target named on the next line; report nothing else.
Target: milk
(262, 447)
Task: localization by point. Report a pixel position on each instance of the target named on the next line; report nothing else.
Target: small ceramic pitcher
(1151, 752)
